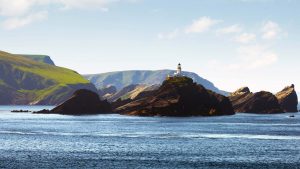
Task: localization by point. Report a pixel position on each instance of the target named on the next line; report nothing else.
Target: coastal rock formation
(243, 101)
(83, 102)
(139, 92)
(131, 92)
(107, 91)
(288, 99)
(125, 91)
(179, 96)
(241, 91)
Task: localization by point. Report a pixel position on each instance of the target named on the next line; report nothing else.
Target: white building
(178, 72)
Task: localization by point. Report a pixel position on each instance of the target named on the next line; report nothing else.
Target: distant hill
(40, 58)
(26, 81)
(122, 79)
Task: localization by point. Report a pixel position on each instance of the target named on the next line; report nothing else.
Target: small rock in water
(20, 111)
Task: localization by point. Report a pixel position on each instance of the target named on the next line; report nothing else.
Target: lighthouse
(179, 69)
(178, 72)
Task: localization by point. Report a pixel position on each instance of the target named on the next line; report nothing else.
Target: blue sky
(233, 43)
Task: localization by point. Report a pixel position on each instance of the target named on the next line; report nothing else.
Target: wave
(245, 136)
(249, 124)
(159, 135)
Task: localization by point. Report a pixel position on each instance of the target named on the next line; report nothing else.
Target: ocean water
(115, 141)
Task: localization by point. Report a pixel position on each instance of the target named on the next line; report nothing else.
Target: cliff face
(40, 58)
(125, 91)
(179, 96)
(82, 102)
(288, 99)
(107, 90)
(130, 92)
(244, 101)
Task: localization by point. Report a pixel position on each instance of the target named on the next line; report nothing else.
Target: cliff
(40, 58)
(263, 102)
(288, 99)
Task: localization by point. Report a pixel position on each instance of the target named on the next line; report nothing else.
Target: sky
(232, 43)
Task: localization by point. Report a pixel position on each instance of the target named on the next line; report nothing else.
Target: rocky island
(263, 102)
(244, 101)
(179, 96)
(83, 102)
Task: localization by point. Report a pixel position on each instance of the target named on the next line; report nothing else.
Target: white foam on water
(247, 136)
(159, 135)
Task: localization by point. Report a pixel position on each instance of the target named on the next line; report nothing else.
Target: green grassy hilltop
(24, 80)
(40, 58)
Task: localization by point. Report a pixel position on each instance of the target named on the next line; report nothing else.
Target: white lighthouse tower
(178, 72)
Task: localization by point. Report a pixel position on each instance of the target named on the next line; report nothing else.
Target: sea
(115, 141)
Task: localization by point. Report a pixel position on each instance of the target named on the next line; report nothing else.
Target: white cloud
(15, 7)
(18, 13)
(253, 57)
(270, 30)
(17, 22)
(169, 35)
(21, 7)
(201, 25)
(230, 29)
(246, 38)
(86, 4)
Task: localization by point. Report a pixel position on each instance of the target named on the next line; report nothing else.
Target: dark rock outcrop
(244, 101)
(108, 90)
(83, 102)
(131, 92)
(122, 92)
(136, 94)
(288, 99)
(179, 96)
(20, 111)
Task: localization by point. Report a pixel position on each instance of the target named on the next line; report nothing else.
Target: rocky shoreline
(181, 97)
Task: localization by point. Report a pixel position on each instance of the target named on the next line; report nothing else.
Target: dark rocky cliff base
(288, 99)
(179, 96)
(83, 102)
(244, 101)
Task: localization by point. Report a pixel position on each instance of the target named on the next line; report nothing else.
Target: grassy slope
(60, 76)
(39, 58)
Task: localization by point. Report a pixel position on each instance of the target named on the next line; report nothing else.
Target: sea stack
(263, 102)
(83, 102)
(288, 99)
